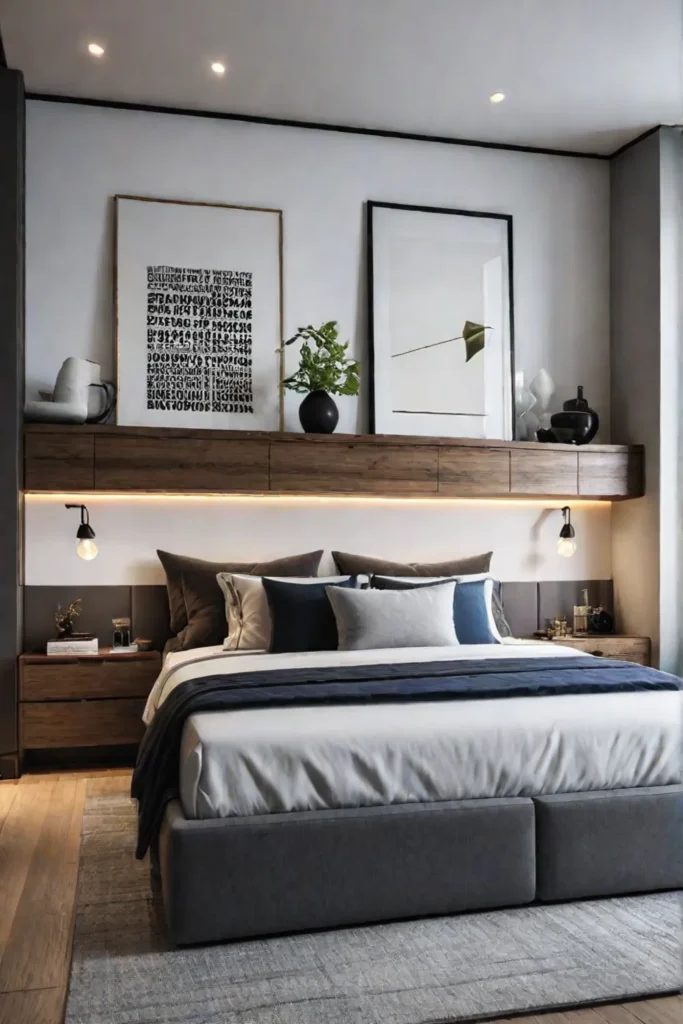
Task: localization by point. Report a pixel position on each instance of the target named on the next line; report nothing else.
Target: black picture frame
(370, 207)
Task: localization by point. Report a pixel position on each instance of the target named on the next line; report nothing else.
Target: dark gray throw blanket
(155, 779)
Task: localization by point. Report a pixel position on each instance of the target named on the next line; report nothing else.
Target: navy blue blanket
(155, 779)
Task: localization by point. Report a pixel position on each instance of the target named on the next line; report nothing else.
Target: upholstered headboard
(527, 606)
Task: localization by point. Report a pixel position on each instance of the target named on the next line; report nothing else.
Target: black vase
(318, 413)
(579, 404)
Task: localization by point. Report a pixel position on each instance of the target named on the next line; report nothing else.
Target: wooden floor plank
(41, 1006)
(658, 1011)
(7, 794)
(617, 1014)
(587, 1015)
(104, 786)
(38, 949)
(18, 841)
(69, 774)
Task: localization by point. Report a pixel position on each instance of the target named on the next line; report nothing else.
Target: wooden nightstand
(70, 701)
(623, 648)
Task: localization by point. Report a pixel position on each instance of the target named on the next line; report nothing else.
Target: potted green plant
(324, 370)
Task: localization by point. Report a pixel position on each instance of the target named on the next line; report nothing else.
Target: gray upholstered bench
(608, 842)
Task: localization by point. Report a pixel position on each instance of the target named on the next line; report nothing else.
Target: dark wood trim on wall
(634, 142)
(3, 55)
(12, 187)
(320, 126)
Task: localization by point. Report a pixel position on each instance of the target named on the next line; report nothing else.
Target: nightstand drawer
(83, 723)
(75, 679)
(621, 648)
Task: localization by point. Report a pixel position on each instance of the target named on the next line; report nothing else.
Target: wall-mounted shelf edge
(143, 460)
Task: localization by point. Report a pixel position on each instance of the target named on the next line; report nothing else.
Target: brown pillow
(353, 564)
(197, 609)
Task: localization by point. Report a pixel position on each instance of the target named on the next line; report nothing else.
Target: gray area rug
(435, 970)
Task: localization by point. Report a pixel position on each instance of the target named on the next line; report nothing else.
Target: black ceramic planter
(318, 413)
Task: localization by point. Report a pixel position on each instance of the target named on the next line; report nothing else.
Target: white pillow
(247, 611)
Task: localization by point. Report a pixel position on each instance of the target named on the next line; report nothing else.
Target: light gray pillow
(372, 619)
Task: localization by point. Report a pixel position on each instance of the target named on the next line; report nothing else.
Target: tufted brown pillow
(352, 565)
(196, 605)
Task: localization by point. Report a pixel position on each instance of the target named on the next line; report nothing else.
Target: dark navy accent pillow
(301, 616)
(471, 615)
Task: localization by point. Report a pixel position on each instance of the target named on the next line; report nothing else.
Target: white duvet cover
(265, 760)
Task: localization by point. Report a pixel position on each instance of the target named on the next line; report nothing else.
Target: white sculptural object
(524, 403)
(542, 388)
(69, 401)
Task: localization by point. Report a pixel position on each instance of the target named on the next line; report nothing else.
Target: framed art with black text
(198, 315)
(441, 321)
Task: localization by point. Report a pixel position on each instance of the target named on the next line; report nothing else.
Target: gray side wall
(645, 283)
(11, 392)
(671, 415)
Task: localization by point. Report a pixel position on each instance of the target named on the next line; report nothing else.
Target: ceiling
(585, 75)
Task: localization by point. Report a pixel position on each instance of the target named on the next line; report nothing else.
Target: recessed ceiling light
(497, 97)
(96, 50)
(218, 68)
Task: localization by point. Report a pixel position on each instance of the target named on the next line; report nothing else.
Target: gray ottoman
(604, 843)
(230, 878)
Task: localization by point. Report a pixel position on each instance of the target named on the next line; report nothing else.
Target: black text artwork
(199, 341)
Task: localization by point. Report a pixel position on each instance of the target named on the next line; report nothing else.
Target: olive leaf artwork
(474, 336)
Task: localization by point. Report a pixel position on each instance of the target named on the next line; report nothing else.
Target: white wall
(522, 535)
(79, 157)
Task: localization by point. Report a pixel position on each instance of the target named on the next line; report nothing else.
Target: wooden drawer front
(544, 472)
(354, 468)
(610, 474)
(180, 464)
(621, 648)
(85, 723)
(76, 679)
(466, 472)
(59, 462)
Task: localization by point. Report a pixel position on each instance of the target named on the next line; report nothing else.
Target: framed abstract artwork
(198, 297)
(440, 321)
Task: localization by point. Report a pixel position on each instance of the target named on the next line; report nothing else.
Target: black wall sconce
(566, 545)
(86, 547)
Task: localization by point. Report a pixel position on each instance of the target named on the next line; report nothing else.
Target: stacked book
(77, 643)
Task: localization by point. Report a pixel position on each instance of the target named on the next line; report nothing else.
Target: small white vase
(524, 402)
(542, 388)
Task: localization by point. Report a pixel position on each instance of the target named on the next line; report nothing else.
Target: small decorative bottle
(121, 635)
(581, 615)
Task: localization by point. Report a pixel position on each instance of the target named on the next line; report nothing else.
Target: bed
(404, 782)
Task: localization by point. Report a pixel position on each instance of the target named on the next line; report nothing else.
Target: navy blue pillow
(470, 607)
(301, 616)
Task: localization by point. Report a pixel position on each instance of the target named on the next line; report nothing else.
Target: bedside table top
(589, 636)
(104, 654)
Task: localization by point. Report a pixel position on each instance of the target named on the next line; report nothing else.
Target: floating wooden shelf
(140, 459)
